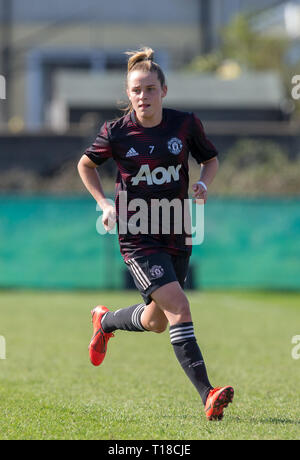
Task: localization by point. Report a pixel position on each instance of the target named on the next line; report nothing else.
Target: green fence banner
(51, 242)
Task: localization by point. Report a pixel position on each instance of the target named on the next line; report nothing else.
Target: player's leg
(105, 322)
(175, 305)
(148, 273)
(153, 318)
(173, 302)
(136, 318)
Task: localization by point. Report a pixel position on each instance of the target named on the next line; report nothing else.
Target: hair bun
(143, 54)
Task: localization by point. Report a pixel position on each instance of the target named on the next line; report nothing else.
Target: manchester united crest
(175, 145)
(156, 271)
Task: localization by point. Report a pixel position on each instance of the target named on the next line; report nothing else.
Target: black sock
(190, 357)
(126, 319)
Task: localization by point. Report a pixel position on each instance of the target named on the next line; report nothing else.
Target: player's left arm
(208, 172)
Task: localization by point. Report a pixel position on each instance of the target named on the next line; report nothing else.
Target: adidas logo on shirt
(131, 153)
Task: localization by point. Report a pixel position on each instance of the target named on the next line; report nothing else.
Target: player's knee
(181, 310)
(160, 329)
(157, 327)
(182, 307)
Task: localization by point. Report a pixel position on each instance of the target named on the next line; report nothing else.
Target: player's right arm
(89, 176)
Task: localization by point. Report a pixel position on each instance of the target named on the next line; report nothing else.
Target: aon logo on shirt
(158, 176)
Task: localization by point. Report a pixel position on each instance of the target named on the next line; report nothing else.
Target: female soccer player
(150, 145)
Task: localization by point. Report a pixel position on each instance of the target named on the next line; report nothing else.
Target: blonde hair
(143, 60)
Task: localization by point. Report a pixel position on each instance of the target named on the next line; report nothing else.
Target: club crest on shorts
(156, 271)
(175, 145)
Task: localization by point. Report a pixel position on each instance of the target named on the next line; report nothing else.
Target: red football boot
(218, 398)
(98, 344)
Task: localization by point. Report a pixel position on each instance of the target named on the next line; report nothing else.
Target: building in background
(251, 97)
(42, 41)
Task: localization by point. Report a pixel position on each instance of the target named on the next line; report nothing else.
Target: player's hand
(109, 217)
(200, 193)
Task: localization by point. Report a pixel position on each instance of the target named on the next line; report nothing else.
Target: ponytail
(143, 55)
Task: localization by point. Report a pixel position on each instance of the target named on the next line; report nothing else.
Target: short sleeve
(101, 149)
(201, 148)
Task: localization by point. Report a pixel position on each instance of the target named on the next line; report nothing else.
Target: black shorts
(151, 272)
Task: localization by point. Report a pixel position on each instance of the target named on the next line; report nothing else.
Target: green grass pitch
(49, 389)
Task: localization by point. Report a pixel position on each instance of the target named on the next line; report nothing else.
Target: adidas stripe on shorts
(154, 271)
